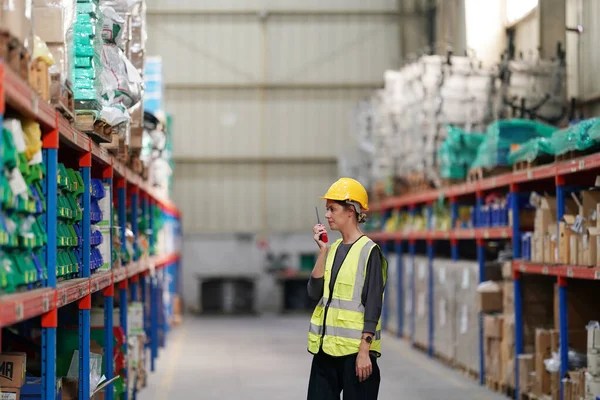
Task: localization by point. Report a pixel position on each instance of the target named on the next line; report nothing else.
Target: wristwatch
(368, 339)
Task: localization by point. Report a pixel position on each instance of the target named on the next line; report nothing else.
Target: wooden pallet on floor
(480, 173)
(574, 154)
(421, 346)
(493, 384)
(445, 360)
(466, 371)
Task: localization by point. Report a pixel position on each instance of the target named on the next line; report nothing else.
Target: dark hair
(360, 216)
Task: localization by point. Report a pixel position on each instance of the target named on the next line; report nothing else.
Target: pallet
(526, 165)
(493, 384)
(574, 154)
(444, 183)
(477, 174)
(466, 371)
(421, 346)
(98, 130)
(529, 396)
(445, 360)
(61, 97)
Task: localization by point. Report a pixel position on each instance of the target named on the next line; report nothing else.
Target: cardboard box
(543, 351)
(10, 393)
(526, 372)
(489, 295)
(49, 25)
(16, 19)
(12, 369)
(493, 326)
(508, 297)
(590, 246)
(553, 243)
(507, 271)
(508, 329)
(564, 235)
(589, 203)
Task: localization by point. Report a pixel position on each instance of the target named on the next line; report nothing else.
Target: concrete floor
(265, 358)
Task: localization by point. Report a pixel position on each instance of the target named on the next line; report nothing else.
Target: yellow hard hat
(348, 189)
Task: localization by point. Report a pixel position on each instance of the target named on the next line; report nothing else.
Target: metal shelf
(22, 306)
(549, 171)
(564, 271)
(456, 234)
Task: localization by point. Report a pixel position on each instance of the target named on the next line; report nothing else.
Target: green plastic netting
(501, 135)
(457, 152)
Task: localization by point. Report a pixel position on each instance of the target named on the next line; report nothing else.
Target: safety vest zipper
(331, 289)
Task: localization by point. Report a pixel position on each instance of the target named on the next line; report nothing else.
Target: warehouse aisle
(265, 358)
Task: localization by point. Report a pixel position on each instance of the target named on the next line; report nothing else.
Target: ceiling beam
(274, 85)
(193, 12)
(255, 160)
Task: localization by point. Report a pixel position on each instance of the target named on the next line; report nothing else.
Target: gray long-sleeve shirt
(372, 294)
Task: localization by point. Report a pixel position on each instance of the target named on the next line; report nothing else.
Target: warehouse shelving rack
(555, 175)
(93, 161)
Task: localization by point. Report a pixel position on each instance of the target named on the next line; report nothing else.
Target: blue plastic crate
(32, 389)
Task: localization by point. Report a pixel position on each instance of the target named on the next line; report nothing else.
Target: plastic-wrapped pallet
(422, 301)
(444, 308)
(467, 317)
(391, 293)
(540, 84)
(409, 267)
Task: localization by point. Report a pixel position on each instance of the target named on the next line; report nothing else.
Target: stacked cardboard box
(593, 356)
(544, 230)
(574, 385)
(578, 230)
(408, 264)
(493, 330)
(467, 316)
(507, 347)
(422, 301)
(12, 374)
(391, 294)
(444, 289)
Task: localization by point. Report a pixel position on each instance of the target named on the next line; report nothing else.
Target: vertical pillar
(412, 248)
(430, 297)
(85, 304)
(122, 209)
(385, 306)
(400, 291)
(123, 320)
(134, 218)
(154, 292)
(453, 221)
(49, 321)
(109, 298)
(514, 207)
(109, 303)
(564, 330)
(563, 316)
(481, 262)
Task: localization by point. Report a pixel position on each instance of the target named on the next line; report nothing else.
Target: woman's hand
(364, 368)
(318, 230)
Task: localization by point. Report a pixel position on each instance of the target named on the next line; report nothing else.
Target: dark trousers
(329, 376)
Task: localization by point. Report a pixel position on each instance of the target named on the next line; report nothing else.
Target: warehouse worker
(348, 280)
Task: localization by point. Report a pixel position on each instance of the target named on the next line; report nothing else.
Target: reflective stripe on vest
(344, 311)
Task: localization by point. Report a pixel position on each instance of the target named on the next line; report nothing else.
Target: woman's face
(337, 216)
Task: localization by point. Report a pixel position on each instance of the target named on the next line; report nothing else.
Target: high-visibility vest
(343, 310)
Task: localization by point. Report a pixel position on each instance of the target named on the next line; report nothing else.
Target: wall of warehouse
(262, 94)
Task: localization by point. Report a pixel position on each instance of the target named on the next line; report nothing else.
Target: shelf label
(545, 270)
(570, 272)
(20, 314)
(529, 174)
(35, 104)
(522, 267)
(64, 298)
(597, 275)
(486, 234)
(46, 304)
(581, 164)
